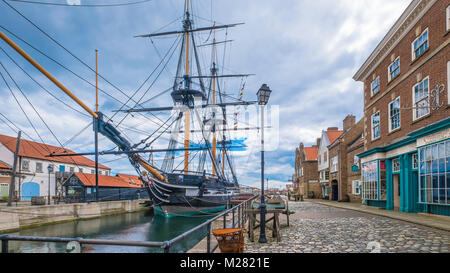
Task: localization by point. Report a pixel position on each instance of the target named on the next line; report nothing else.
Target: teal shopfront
(411, 175)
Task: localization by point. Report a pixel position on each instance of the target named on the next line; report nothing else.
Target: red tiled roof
(106, 181)
(4, 166)
(133, 179)
(333, 135)
(311, 153)
(38, 150)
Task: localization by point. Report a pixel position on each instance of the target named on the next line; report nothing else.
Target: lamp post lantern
(263, 98)
(50, 170)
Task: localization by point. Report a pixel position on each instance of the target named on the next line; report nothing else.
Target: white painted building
(328, 137)
(34, 178)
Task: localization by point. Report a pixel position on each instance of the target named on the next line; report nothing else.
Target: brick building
(339, 165)
(307, 177)
(355, 146)
(406, 158)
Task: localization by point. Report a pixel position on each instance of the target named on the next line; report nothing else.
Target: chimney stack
(318, 142)
(349, 122)
(332, 129)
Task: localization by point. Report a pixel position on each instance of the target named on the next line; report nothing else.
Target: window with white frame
(394, 114)
(421, 99)
(39, 167)
(394, 69)
(80, 170)
(448, 81)
(376, 125)
(375, 86)
(334, 164)
(434, 173)
(356, 187)
(356, 160)
(370, 180)
(72, 169)
(395, 165)
(25, 165)
(92, 172)
(448, 18)
(414, 161)
(420, 45)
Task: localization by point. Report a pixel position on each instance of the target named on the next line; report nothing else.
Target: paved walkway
(429, 220)
(316, 228)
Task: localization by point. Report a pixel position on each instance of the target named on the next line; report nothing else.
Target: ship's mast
(187, 116)
(213, 70)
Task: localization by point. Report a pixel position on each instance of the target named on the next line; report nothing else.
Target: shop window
(383, 189)
(394, 114)
(394, 69)
(434, 173)
(421, 99)
(370, 180)
(420, 45)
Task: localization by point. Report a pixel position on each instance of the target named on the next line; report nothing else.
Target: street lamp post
(50, 170)
(263, 98)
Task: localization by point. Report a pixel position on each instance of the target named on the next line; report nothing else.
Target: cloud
(306, 51)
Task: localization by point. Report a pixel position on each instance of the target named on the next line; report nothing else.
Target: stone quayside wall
(15, 218)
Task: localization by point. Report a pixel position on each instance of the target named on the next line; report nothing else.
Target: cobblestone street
(317, 228)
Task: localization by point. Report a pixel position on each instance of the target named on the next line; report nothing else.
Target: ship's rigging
(200, 105)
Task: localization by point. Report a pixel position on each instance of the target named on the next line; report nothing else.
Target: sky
(306, 51)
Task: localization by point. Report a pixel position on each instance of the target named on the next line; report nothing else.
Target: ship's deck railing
(238, 220)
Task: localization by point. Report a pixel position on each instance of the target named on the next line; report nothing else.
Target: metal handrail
(166, 245)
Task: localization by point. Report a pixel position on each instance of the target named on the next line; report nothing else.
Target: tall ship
(197, 174)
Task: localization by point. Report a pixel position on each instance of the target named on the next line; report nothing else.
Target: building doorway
(29, 190)
(334, 190)
(396, 191)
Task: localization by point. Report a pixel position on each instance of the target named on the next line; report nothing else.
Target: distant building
(406, 158)
(32, 166)
(306, 175)
(344, 186)
(80, 187)
(328, 137)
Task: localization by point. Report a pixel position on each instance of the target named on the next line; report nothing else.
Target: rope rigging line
(40, 117)
(69, 70)
(154, 81)
(20, 106)
(81, 5)
(32, 106)
(69, 52)
(24, 132)
(45, 89)
(7, 124)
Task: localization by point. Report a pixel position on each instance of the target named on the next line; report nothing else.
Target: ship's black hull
(172, 200)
